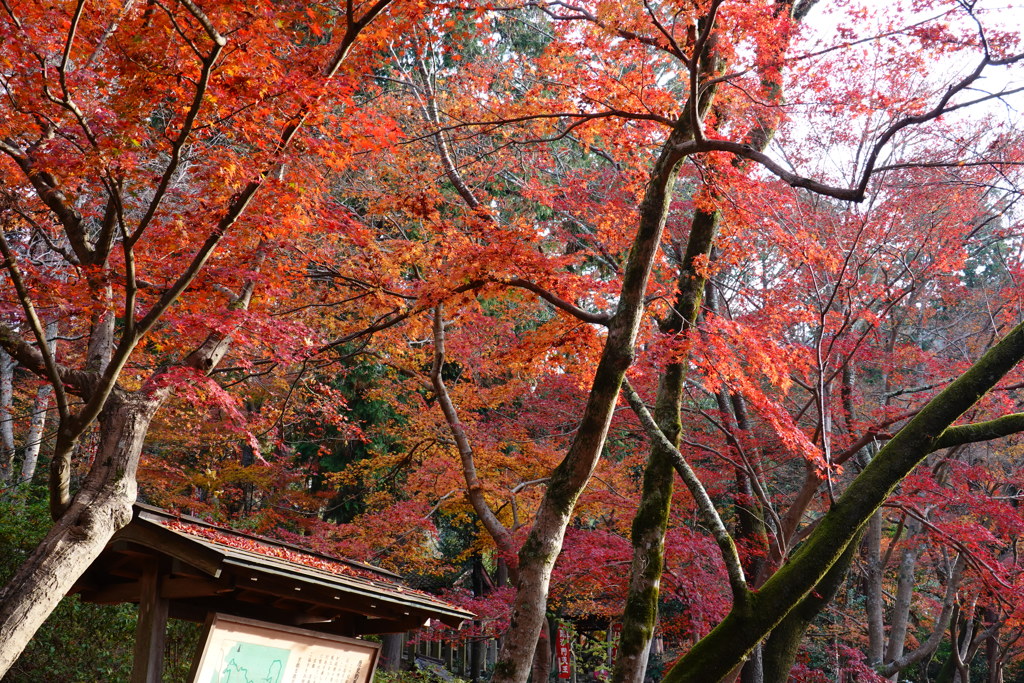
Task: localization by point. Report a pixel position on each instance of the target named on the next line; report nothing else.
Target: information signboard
(237, 650)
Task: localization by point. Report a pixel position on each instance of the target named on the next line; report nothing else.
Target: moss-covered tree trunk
(651, 521)
(780, 650)
(713, 657)
(750, 526)
(539, 552)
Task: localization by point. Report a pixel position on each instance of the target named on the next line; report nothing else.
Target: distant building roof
(204, 568)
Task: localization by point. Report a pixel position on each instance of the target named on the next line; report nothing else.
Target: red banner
(563, 651)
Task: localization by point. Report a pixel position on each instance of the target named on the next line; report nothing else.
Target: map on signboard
(249, 663)
(240, 650)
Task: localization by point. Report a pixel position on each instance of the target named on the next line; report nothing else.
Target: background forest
(461, 289)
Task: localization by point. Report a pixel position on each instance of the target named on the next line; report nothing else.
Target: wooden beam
(368, 626)
(190, 551)
(114, 593)
(196, 610)
(173, 588)
(180, 587)
(282, 590)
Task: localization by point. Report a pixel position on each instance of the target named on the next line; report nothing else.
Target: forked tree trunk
(648, 537)
(539, 552)
(98, 510)
(651, 521)
(780, 650)
(85, 523)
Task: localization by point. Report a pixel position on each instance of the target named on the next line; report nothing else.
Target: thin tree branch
(474, 489)
(52, 371)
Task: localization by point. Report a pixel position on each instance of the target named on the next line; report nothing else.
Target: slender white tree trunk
(40, 406)
(6, 417)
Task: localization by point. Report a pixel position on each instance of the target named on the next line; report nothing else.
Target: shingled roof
(203, 568)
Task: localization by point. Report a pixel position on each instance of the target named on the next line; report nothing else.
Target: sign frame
(221, 628)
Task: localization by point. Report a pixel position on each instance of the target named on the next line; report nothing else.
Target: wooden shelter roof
(201, 568)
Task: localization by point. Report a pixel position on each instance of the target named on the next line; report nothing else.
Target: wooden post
(391, 652)
(151, 630)
(477, 655)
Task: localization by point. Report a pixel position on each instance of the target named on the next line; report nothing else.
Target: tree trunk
(928, 646)
(780, 650)
(992, 653)
(34, 440)
(476, 658)
(541, 669)
(904, 596)
(98, 510)
(477, 645)
(649, 525)
(873, 604)
(753, 668)
(391, 652)
(6, 417)
(651, 520)
(539, 552)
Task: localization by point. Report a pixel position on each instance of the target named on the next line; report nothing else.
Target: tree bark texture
(651, 520)
(98, 510)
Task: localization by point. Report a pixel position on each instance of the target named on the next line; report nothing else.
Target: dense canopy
(461, 288)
